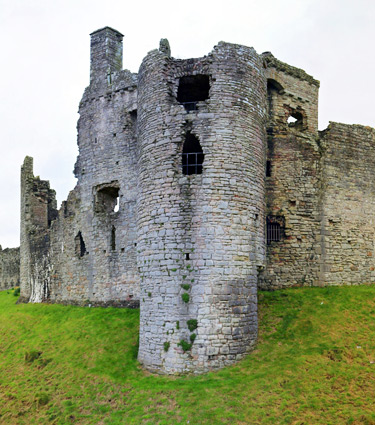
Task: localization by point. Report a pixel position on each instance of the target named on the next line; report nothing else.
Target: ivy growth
(185, 297)
(185, 345)
(192, 324)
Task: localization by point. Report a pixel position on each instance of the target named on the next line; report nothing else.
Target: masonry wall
(38, 210)
(190, 247)
(293, 177)
(348, 205)
(87, 253)
(106, 272)
(200, 236)
(9, 268)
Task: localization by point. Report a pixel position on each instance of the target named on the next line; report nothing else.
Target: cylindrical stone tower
(201, 135)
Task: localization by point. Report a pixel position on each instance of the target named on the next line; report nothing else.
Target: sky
(45, 61)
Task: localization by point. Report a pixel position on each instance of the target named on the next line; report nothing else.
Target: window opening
(187, 256)
(193, 89)
(80, 247)
(275, 227)
(113, 238)
(192, 155)
(268, 169)
(273, 88)
(107, 199)
(296, 119)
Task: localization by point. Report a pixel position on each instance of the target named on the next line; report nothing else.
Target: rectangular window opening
(193, 89)
(275, 229)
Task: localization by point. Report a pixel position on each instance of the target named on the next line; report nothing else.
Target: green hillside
(314, 364)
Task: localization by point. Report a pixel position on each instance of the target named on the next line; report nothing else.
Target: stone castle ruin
(9, 268)
(199, 181)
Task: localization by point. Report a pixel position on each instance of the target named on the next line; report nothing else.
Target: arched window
(192, 155)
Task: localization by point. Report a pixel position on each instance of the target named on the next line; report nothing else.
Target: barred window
(192, 155)
(275, 227)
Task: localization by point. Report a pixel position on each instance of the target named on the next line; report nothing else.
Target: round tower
(201, 135)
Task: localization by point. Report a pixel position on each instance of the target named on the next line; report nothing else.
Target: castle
(199, 181)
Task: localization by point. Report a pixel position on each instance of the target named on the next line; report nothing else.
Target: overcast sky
(45, 51)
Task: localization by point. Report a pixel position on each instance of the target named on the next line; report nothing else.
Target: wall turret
(201, 134)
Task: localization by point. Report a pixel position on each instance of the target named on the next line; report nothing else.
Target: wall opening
(193, 89)
(296, 119)
(268, 169)
(107, 199)
(192, 155)
(80, 247)
(275, 229)
(113, 238)
(273, 88)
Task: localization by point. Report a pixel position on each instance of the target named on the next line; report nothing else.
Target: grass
(314, 364)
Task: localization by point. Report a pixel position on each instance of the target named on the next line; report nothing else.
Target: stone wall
(263, 199)
(200, 235)
(38, 210)
(9, 268)
(292, 176)
(86, 252)
(348, 205)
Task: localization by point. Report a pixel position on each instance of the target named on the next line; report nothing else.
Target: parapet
(272, 62)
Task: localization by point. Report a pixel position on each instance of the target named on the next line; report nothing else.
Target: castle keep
(198, 182)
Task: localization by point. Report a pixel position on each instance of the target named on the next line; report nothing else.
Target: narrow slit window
(193, 89)
(192, 155)
(268, 169)
(113, 238)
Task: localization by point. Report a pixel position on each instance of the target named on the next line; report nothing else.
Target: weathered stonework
(199, 180)
(200, 234)
(9, 268)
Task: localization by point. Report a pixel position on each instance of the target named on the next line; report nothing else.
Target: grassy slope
(314, 364)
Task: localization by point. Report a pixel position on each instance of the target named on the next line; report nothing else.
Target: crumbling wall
(200, 232)
(183, 175)
(292, 177)
(348, 205)
(86, 252)
(38, 210)
(9, 268)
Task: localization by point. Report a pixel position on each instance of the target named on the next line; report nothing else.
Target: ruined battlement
(198, 182)
(9, 268)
